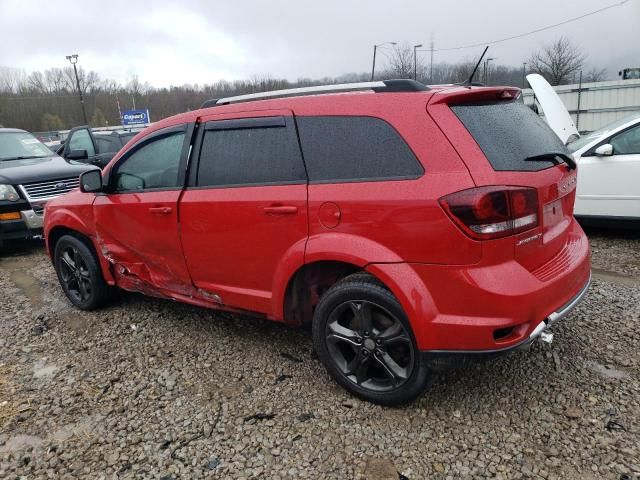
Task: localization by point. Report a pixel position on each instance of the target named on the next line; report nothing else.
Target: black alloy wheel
(370, 345)
(79, 273)
(364, 339)
(75, 275)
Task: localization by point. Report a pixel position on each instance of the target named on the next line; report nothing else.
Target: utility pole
(119, 111)
(375, 49)
(578, 109)
(431, 63)
(524, 74)
(486, 69)
(415, 61)
(73, 59)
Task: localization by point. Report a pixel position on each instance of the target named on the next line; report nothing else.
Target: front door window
(81, 140)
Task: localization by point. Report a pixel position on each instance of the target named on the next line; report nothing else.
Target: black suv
(30, 176)
(94, 146)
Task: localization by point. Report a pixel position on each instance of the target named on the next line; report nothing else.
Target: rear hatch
(555, 113)
(505, 145)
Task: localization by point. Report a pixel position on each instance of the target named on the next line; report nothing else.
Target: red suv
(410, 225)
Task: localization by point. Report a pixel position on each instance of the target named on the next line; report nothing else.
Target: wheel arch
(416, 300)
(57, 232)
(327, 258)
(306, 285)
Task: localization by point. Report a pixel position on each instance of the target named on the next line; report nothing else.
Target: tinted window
(105, 145)
(627, 142)
(354, 149)
(245, 156)
(508, 133)
(125, 137)
(154, 165)
(81, 140)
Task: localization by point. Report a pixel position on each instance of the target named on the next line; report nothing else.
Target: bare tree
(25, 99)
(134, 87)
(400, 62)
(55, 80)
(558, 61)
(595, 75)
(37, 82)
(12, 80)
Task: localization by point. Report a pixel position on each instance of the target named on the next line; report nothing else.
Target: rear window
(508, 133)
(352, 149)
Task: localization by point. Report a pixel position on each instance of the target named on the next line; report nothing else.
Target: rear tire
(364, 339)
(79, 274)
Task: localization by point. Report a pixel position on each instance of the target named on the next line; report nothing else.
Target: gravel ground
(615, 251)
(154, 389)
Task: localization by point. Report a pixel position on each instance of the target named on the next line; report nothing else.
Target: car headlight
(7, 192)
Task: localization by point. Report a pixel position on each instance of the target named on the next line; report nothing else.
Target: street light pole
(73, 59)
(373, 68)
(375, 49)
(415, 61)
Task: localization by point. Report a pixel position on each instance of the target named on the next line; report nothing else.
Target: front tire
(363, 338)
(79, 274)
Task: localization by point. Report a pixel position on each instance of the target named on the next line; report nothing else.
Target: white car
(608, 160)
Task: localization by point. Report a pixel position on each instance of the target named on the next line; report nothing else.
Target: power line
(520, 35)
(45, 96)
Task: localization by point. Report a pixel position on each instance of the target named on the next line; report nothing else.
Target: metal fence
(593, 105)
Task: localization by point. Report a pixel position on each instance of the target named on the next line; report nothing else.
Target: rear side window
(508, 133)
(105, 145)
(250, 152)
(351, 149)
(125, 137)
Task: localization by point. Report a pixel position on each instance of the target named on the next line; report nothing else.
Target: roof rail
(379, 87)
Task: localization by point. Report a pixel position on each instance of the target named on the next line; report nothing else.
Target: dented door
(137, 221)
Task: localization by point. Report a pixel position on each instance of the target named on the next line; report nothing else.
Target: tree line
(48, 100)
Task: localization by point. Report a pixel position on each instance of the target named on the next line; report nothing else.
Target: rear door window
(508, 133)
(250, 151)
(352, 149)
(125, 137)
(105, 144)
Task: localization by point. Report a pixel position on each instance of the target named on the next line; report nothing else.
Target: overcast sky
(197, 41)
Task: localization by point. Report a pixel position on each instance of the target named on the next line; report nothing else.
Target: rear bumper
(443, 359)
(491, 306)
(496, 307)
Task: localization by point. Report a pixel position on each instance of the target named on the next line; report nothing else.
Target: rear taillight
(484, 213)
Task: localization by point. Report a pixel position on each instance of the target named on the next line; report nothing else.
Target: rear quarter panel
(401, 220)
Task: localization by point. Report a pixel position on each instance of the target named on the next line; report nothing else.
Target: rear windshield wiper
(554, 157)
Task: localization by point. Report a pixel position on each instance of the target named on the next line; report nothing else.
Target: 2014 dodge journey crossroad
(408, 224)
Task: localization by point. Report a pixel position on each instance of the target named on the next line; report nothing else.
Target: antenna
(470, 81)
